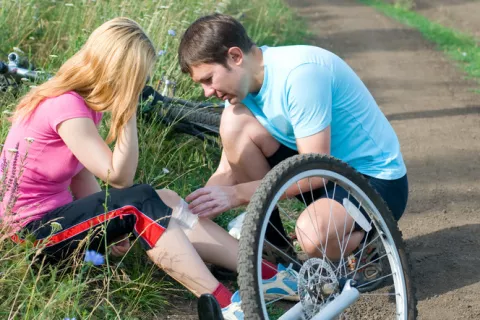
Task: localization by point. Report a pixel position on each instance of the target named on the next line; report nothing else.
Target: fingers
(209, 215)
(199, 203)
(197, 193)
(120, 248)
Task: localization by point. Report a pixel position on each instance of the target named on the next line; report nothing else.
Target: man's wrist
(238, 198)
(243, 192)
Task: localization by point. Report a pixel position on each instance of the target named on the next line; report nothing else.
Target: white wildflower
(18, 49)
(165, 170)
(56, 226)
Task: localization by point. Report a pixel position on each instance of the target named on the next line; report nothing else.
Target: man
(280, 101)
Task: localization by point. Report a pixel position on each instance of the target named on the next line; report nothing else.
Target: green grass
(49, 32)
(461, 47)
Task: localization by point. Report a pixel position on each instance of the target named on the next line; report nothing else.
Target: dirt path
(463, 15)
(437, 119)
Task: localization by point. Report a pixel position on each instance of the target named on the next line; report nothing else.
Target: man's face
(217, 80)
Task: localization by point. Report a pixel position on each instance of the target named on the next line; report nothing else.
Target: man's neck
(257, 70)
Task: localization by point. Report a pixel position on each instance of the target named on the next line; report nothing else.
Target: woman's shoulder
(69, 104)
(69, 97)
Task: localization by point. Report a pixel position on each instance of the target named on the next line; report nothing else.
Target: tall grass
(48, 32)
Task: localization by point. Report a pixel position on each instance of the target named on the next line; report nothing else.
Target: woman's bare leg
(175, 254)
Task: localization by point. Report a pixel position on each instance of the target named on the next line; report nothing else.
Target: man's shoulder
(284, 59)
(301, 51)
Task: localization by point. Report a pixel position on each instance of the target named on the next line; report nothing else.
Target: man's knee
(311, 236)
(239, 127)
(234, 121)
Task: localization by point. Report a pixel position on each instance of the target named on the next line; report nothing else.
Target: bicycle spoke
(378, 279)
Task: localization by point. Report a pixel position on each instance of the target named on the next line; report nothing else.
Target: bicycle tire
(206, 117)
(256, 217)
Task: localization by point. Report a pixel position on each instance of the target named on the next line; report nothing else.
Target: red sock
(269, 270)
(223, 295)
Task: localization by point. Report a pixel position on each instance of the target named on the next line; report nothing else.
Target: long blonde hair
(109, 72)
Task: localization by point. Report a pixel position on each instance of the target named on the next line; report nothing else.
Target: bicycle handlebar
(19, 68)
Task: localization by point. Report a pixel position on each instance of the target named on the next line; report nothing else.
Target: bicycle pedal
(208, 308)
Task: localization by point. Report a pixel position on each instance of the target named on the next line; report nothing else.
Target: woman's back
(49, 164)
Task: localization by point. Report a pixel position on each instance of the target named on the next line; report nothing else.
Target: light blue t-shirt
(306, 89)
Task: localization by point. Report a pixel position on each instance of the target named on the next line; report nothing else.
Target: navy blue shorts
(393, 192)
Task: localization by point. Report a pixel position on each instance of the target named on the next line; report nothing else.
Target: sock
(269, 270)
(223, 295)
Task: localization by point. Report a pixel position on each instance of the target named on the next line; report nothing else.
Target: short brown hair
(208, 39)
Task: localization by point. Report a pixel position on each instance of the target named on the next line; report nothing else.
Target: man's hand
(120, 248)
(209, 202)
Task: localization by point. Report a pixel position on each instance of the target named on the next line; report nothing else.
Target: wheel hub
(317, 285)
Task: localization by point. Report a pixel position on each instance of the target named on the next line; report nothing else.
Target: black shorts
(138, 210)
(393, 192)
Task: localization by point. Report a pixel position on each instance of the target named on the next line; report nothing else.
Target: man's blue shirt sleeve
(309, 97)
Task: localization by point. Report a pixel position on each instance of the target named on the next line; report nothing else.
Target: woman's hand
(120, 248)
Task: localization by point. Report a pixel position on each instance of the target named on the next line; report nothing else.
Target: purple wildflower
(172, 33)
(94, 257)
(14, 168)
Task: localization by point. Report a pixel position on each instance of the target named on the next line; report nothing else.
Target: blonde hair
(109, 72)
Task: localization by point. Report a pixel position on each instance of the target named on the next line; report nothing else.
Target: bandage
(184, 217)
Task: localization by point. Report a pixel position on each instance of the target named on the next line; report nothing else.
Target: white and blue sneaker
(284, 285)
(233, 311)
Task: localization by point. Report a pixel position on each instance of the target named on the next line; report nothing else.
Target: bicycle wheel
(208, 118)
(327, 288)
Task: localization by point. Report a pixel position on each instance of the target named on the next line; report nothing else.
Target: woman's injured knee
(183, 216)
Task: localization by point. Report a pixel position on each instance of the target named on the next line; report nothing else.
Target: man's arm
(217, 198)
(223, 176)
(84, 184)
(317, 143)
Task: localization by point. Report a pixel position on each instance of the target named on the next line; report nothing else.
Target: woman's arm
(84, 184)
(117, 167)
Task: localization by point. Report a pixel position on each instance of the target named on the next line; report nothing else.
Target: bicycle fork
(332, 310)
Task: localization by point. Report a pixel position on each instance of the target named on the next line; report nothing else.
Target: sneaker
(233, 311)
(284, 285)
(369, 271)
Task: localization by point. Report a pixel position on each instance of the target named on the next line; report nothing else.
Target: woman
(56, 125)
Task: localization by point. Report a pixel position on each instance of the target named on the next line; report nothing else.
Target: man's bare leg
(326, 222)
(246, 145)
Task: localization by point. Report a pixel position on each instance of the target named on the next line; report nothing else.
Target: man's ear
(235, 54)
